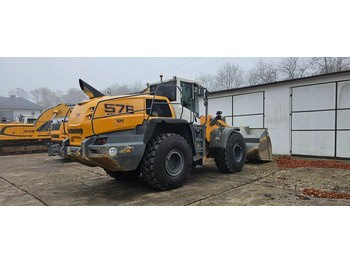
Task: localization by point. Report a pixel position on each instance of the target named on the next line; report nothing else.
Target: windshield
(31, 120)
(167, 89)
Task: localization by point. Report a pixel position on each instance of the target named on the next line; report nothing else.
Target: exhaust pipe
(89, 90)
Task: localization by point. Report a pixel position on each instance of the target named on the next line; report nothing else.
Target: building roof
(18, 103)
(283, 81)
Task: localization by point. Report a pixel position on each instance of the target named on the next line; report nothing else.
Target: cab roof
(176, 78)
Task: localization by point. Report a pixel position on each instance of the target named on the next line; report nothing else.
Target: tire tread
(223, 164)
(147, 161)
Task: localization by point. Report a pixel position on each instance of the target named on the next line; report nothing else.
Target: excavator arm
(44, 120)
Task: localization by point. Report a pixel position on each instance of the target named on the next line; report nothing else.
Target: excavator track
(17, 147)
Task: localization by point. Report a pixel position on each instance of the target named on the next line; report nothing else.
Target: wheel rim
(237, 153)
(174, 162)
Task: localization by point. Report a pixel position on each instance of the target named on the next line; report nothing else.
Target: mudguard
(219, 136)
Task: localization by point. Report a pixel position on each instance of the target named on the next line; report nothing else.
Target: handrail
(64, 120)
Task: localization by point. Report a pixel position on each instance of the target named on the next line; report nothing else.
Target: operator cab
(182, 94)
(56, 122)
(26, 119)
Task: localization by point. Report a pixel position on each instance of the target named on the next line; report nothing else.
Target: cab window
(31, 120)
(190, 97)
(160, 108)
(167, 89)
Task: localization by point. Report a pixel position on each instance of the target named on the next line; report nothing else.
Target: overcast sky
(63, 73)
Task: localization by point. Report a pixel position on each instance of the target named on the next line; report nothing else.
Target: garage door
(343, 120)
(240, 110)
(319, 120)
(223, 104)
(248, 110)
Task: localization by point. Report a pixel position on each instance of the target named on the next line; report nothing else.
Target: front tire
(167, 161)
(234, 155)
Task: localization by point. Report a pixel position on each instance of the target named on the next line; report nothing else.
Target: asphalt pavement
(36, 179)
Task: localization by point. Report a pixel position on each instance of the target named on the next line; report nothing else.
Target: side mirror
(205, 94)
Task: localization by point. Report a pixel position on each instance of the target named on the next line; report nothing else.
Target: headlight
(113, 151)
(217, 135)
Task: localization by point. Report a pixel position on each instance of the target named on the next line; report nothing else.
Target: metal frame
(335, 109)
(316, 130)
(336, 119)
(65, 119)
(237, 94)
(316, 110)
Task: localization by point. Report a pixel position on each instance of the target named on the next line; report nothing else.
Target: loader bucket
(258, 143)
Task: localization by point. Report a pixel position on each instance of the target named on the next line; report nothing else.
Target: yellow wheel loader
(55, 121)
(156, 134)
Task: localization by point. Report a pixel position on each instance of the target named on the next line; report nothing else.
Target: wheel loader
(55, 121)
(156, 134)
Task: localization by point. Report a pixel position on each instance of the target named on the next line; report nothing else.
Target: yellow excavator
(21, 136)
(55, 120)
(157, 134)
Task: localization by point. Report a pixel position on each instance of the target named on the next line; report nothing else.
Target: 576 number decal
(118, 108)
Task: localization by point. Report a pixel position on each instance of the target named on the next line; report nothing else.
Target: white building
(308, 116)
(11, 107)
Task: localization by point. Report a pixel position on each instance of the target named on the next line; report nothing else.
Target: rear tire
(123, 175)
(167, 161)
(234, 154)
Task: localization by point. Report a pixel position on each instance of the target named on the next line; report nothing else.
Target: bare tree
(122, 90)
(19, 92)
(321, 65)
(342, 63)
(45, 97)
(73, 95)
(207, 81)
(293, 67)
(136, 87)
(262, 73)
(117, 89)
(110, 90)
(324, 65)
(229, 76)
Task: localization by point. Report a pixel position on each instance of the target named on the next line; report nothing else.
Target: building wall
(6, 115)
(276, 115)
(277, 110)
(16, 113)
(277, 119)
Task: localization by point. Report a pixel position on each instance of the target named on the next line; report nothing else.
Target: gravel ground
(36, 179)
